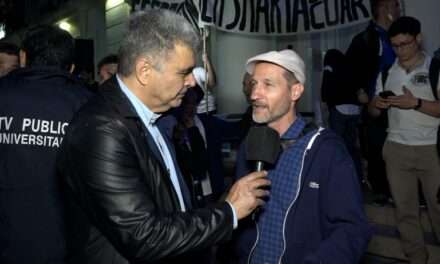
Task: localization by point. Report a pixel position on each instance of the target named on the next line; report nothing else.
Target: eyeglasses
(403, 45)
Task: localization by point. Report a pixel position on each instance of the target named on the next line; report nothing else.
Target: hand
(205, 59)
(381, 103)
(247, 193)
(362, 96)
(404, 101)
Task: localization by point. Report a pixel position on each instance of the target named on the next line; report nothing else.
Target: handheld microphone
(262, 146)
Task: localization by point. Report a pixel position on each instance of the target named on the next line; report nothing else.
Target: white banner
(267, 17)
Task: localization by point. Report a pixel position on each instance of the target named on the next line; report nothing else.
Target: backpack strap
(434, 71)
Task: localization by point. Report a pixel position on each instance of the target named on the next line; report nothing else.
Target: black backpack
(434, 72)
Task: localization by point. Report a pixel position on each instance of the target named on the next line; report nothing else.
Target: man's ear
(143, 70)
(419, 38)
(22, 58)
(296, 91)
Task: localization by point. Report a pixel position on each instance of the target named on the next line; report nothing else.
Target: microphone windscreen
(262, 144)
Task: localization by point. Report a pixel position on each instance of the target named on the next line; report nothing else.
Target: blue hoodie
(327, 222)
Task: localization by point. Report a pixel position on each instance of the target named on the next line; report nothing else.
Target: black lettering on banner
(252, 7)
(297, 12)
(164, 5)
(328, 18)
(288, 16)
(315, 24)
(139, 4)
(345, 10)
(243, 16)
(267, 16)
(155, 3)
(180, 8)
(221, 12)
(359, 4)
(237, 13)
(204, 14)
(173, 7)
(262, 9)
(275, 14)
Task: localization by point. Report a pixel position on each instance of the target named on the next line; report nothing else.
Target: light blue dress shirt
(149, 118)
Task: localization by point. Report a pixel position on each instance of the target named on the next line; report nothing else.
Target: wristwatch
(419, 104)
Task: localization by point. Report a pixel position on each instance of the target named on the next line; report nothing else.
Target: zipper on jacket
(309, 146)
(256, 241)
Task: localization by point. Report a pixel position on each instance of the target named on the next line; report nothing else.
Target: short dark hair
(377, 4)
(109, 59)
(48, 46)
(405, 25)
(9, 48)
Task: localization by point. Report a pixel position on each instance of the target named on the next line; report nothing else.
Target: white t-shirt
(408, 126)
(208, 100)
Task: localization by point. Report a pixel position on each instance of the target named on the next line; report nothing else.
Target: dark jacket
(363, 57)
(336, 88)
(327, 223)
(217, 132)
(37, 105)
(123, 205)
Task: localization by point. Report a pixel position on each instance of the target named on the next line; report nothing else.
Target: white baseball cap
(288, 59)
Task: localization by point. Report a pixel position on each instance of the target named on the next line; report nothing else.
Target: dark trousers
(375, 135)
(346, 126)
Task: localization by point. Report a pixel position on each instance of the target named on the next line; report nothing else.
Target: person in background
(207, 105)
(198, 145)
(8, 58)
(107, 67)
(37, 103)
(342, 103)
(315, 212)
(127, 200)
(410, 148)
(246, 120)
(370, 53)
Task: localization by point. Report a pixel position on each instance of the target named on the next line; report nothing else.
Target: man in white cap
(314, 213)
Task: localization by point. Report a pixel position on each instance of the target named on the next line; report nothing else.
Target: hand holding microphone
(248, 193)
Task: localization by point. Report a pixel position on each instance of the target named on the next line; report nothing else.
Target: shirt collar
(142, 110)
(295, 129)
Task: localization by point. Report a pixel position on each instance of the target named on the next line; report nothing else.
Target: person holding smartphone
(410, 152)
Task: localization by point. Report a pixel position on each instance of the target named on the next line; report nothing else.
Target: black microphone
(262, 146)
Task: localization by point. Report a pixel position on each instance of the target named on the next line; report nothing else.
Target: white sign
(267, 17)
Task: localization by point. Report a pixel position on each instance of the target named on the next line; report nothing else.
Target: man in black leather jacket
(127, 198)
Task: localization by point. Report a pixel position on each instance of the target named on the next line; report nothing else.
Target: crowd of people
(129, 169)
(388, 113)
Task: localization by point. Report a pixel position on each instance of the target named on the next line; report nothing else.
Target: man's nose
(190, 81)
(255, 91)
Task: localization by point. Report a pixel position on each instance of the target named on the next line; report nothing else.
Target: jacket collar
(111, 91)
(42, 72)
(295, 129)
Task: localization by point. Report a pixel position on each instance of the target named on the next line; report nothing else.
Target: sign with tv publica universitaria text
(267, 17)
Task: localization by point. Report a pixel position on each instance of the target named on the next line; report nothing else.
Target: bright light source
(2, 31)
(112, 3)
(65, 25)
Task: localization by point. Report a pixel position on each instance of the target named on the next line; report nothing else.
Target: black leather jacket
(123, 207)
